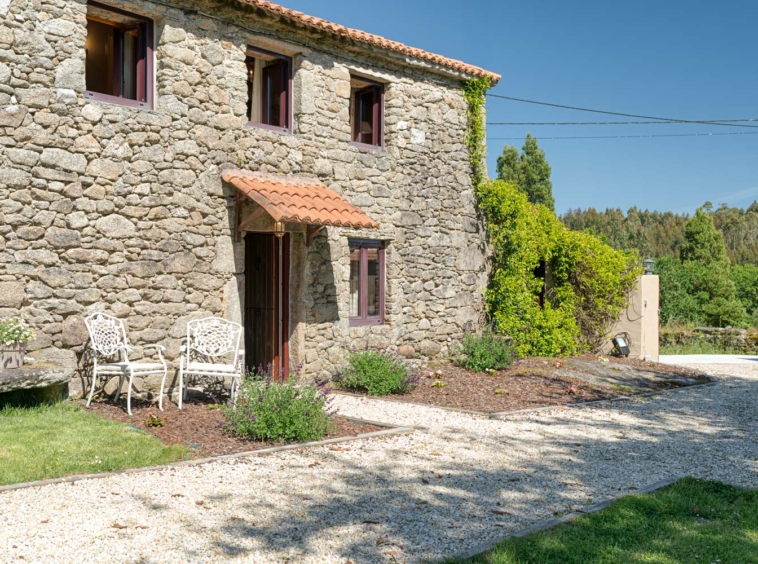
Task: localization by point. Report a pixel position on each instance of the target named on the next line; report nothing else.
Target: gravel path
(455, 484)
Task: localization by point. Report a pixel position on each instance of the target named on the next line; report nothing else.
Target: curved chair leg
(120, 385)
(163, 384)
(181, 385)
(129, 393)
(236, 384)
(92, 388)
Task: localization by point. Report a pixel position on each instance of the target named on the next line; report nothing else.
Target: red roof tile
(298, 200)
(369, 39)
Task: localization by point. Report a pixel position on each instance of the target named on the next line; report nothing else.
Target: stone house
(164, 160)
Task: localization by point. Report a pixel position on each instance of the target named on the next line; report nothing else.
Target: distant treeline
(660, 234)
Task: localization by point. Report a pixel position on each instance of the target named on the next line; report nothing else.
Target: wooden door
(264, 280)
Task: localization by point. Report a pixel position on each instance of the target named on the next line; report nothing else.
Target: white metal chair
(108, 339)
(210, 343)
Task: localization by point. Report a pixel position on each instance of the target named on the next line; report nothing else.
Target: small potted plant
(14, 334)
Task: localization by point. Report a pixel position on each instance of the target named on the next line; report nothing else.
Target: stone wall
(122, 210)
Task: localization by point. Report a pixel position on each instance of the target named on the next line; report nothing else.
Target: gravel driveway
(455, 484)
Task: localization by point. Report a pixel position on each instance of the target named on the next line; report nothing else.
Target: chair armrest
(241, 352)
(183, 348)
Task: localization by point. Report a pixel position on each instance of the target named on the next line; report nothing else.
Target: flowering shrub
(377, 373)
(14, 330)
(487, 352)
(272, 410)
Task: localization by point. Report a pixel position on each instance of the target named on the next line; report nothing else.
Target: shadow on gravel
(400, 510)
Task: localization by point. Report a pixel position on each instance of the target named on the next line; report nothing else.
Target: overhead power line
(711, 122)
(565, 107)
(629, 136)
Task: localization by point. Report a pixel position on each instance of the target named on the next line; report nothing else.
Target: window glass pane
(355, 281)
(275, 94)
(99, 69)
(366, 117)
(116, 51)
(373, 282)
(250, 62)
(131, 46)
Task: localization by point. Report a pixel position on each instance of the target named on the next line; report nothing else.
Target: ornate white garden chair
(108, 340)
(212, 351)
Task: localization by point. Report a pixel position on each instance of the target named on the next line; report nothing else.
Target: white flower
(15, 330)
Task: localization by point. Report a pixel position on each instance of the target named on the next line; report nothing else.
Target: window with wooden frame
(367, 281)
(119, 56)
(367, 112)
(269, 89)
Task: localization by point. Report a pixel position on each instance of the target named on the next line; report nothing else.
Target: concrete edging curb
(545, 525)
(392, 430)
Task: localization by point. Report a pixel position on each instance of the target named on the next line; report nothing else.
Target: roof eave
(397, 51)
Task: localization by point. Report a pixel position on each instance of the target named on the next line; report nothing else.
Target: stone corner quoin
(123, 210)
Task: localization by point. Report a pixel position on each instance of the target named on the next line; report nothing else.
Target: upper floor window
(119, 51)
(366, 282)
(367, 112)
(269, 88)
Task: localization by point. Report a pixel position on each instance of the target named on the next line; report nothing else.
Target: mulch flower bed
(198, 426)
(506, 390)
(528, 383)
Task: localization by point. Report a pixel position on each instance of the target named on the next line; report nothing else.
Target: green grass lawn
(691, 521)
(700, 347)
(61, 440)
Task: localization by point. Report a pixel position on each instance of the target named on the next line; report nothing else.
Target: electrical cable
(565, 107)
(715, 121)
(627, 136)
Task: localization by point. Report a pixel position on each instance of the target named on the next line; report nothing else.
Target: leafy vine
(474, 91)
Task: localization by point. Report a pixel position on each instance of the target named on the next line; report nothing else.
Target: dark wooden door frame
(281, 283)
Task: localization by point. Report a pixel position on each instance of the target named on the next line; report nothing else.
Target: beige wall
(640, 320)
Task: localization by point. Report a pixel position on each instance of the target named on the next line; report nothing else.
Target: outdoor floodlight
(279, 229)
(621, 346)
(649, 264)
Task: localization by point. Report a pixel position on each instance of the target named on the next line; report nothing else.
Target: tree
(745, 278)
(704, 249)
(661, 234)
(529, 171)
(704, 243)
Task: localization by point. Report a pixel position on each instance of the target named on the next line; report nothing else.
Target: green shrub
(745, 278)
(270, 410)
(378, 373)
(486, 352)
(586, 286)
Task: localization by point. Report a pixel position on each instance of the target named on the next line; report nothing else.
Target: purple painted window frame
(288, 112)
(364, 245)
(378, 88)
(149, 62)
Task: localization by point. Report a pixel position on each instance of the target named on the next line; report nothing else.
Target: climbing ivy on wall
(587, 282)
(586, 287)
(475, 91)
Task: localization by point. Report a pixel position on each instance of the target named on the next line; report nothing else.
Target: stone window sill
(285, 130)
(117, 101)
(367, 147)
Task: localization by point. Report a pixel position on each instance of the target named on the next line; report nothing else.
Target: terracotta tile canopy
(368, 39)
(295, 199)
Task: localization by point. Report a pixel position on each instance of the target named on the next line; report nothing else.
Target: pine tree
(704, 252)
(529, 171)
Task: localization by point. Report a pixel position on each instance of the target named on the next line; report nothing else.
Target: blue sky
(678, 59)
